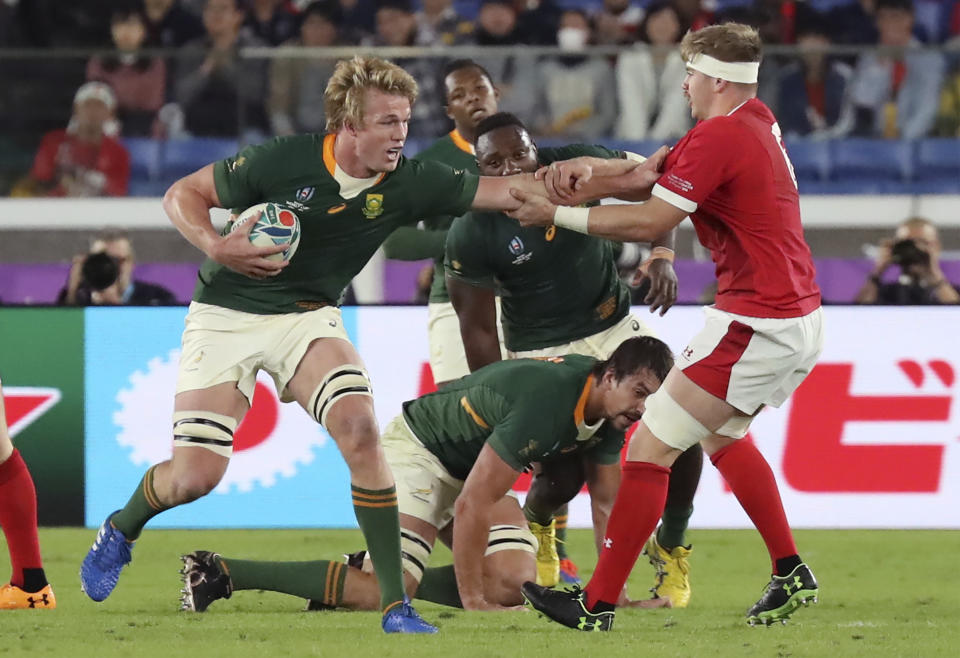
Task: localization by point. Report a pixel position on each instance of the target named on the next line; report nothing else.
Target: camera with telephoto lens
(99, 271)
(907, 253)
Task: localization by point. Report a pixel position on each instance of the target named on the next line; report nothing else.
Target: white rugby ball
(276, 225)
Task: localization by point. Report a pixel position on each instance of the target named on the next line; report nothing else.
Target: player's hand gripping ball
(276, 225)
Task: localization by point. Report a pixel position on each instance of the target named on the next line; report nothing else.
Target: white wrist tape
(745, 72)
(574, 219)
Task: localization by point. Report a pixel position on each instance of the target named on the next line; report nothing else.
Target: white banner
(871, 439)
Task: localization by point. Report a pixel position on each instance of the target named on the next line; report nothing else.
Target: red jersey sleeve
(45, 160)
(116, 168)
(699, 164)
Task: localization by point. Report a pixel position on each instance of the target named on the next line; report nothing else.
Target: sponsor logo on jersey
(333, 210)
(550, 233)
(236, 164)
(373, 206)
(304, 194)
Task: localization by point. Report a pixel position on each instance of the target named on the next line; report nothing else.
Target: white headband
(745, 72)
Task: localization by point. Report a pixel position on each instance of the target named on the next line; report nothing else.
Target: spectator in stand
(137, 81)
(896, 95)
(272, 21)
(439, 24)
(813, 97)
(915, 249)
(538, 21)
(575, 95)
(618, 22)
(853, 23)
(693, 13)
(169, 25)
(297, 84)
(516, 75)
(358, 20)
(104, 277)
(650, 79)
(397, 26)
(221, 95)
(86, 159)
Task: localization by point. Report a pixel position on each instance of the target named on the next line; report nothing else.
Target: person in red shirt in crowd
(763, 335)
(28, 587)
(86, 159)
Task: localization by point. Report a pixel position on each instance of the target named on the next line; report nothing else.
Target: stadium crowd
(205, 87)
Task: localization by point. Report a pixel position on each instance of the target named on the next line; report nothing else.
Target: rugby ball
(276, 225)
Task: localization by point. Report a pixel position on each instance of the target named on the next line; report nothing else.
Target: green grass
(884, 593)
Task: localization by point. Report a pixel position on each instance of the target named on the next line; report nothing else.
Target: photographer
(104, 277)
(915, 249)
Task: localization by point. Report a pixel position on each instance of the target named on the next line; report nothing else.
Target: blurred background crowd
(121, 97)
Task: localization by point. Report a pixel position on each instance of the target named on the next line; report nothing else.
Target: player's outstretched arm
(489, 481)
(493, 192)
(624, 223)
(603, 481)
(477, 312)
(188, 203)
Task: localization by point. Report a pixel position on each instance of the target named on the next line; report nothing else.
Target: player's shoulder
(549, 154)
(437, 149)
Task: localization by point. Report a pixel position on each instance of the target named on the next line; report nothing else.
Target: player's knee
(188, 486)
(358, 439)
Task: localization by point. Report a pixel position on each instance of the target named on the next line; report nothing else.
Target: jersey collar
(585, 431)
(350, 186)
(461, 143)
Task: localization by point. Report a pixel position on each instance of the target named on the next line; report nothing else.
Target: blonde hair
(728, 42)
(343, 99)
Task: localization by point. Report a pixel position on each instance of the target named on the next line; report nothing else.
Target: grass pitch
(883, 593)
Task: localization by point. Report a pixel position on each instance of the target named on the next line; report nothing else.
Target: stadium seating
(843, 166)
(184, 156)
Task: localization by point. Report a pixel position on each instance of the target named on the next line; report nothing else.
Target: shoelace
(112, 546)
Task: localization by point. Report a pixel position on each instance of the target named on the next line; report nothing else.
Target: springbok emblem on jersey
(373, 206)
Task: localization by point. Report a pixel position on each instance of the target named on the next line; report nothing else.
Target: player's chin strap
(204, 429)
(339, 383)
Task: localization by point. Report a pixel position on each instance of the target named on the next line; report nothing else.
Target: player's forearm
(625, 223)
(469, 544)
(665, 240)
(493, 192)
(189, 212)
(482, 346)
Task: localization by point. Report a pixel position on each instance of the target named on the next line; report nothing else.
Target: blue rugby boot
(101, 568)
(402, 618)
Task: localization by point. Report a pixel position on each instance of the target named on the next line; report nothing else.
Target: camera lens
(100, 271)
(906, 253)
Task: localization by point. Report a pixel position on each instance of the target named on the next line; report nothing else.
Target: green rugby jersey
(451, 149)
(528, 410)
(556, 286)
(338, 235)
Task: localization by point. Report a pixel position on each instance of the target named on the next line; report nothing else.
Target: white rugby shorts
(750, 362)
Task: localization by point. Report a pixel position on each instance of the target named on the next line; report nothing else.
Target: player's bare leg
(330, 384)
(204, 422)
(28, 586)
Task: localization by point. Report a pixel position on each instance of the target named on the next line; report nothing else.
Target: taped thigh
(339, 383)
(415, 553)
(671, 423)
(510, 538)
(204, 429)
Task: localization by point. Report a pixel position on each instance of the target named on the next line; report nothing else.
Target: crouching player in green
(455, 455)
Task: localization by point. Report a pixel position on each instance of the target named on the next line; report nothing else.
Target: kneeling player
(455, 454)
